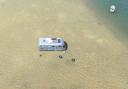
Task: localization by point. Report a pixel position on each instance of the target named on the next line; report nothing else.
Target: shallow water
(117, 22)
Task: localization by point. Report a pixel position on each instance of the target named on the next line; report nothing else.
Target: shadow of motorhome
(66, 45)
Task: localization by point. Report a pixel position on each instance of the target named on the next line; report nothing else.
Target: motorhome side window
(58, 40)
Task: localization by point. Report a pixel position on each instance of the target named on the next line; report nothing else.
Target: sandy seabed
(101, 59)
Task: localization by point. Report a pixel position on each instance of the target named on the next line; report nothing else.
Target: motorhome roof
(51, 41)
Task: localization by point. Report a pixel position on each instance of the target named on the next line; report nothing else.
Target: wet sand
(101, 59)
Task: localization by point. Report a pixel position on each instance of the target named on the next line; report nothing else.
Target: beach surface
(101, 59)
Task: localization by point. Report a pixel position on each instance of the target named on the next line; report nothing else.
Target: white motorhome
(52, 44)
